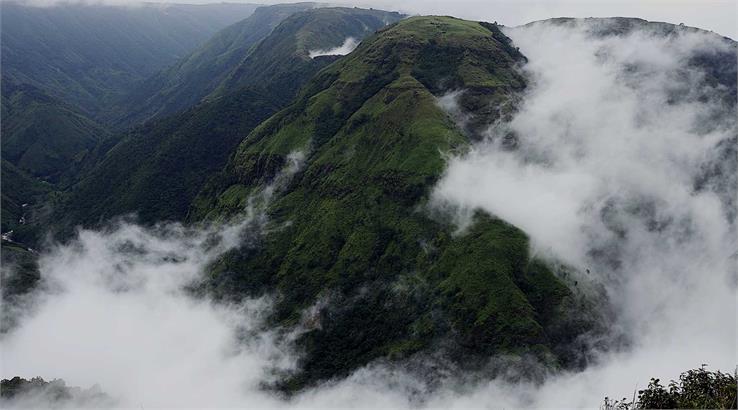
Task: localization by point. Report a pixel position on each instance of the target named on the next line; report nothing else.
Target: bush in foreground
(695, 389)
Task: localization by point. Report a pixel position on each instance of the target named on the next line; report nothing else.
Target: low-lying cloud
(625, 166)
(348, 46)
(118, 314)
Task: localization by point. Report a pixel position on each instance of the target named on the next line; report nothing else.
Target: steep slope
(18, 190)
(43, 136)
(184, 84)
(88, 54)
(362, 267)
(19, 275)
(158, 169)
(282, 60)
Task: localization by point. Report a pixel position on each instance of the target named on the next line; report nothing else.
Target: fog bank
(624, 168)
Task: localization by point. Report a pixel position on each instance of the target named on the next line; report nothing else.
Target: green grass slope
(158, 168)
(351, 235)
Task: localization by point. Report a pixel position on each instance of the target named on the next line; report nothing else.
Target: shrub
(695, 389)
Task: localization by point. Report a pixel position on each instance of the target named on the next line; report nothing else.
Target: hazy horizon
(720, 16)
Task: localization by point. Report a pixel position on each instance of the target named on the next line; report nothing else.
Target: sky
(720, 16)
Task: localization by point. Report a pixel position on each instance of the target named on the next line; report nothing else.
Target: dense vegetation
(695, 389)
(87, 55)
(157, 169)
(150, 173)
(19, 277)
(184, 84)
(352, 236)
(43, 136)
(281, 62)
(63, 66)
(18, 191)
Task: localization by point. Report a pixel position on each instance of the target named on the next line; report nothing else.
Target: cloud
(614, 139)
(617, 170)
(117, 309)
(720, 16)
(348, 46)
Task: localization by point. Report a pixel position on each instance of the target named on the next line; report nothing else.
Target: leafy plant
(695, 389)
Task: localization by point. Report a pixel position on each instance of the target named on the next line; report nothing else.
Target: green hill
(43, 136)
(18, 188)
(281, 61)
(270, 48)
(184, 84)
(351, 234)
(158, 168)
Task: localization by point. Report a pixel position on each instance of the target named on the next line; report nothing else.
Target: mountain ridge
(187, 82)
(147, 164)
(354, 223)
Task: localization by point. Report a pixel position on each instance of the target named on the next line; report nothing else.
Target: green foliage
(282, 61)
(695, 389)
(20, 270)
(19, 276)
(267, 50)
(18, 188)
(157, 169)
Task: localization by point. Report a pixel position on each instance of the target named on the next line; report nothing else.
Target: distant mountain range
(89, 55)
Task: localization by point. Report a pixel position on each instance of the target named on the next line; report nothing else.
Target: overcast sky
(720, 16)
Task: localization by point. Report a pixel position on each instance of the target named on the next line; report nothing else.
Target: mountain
(18, 190)
(157, 168)
(43, 136)
(282, 60)
(334, 156)
(718, 66)
(351, 238)
(150, 171)
(88, 55)
(184, 84)
(45, 144)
